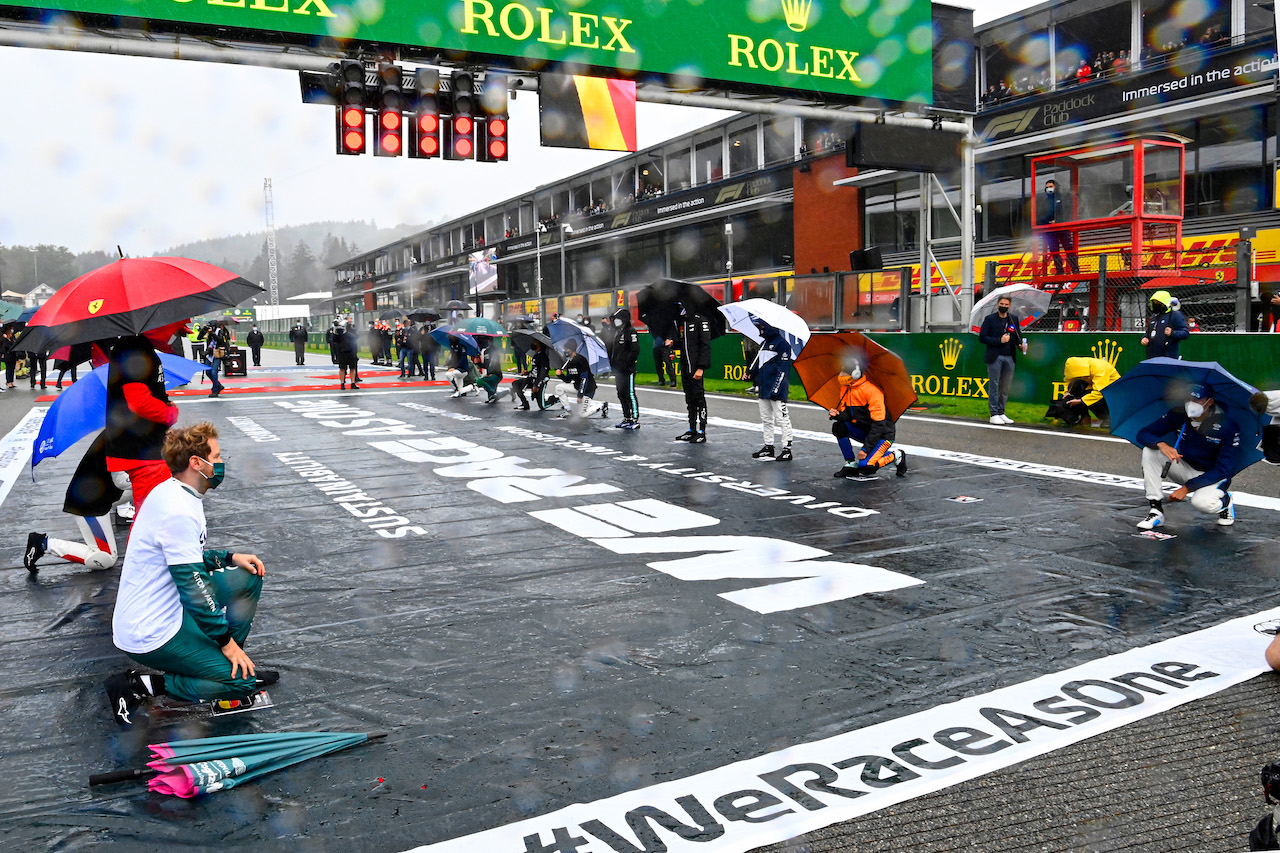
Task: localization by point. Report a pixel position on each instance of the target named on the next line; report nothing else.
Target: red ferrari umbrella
(820, 362)
(130, 297)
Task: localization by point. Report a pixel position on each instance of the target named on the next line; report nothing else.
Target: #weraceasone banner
(782, 795)
(587, 112)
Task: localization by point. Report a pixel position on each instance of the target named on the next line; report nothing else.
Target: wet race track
(546, 612)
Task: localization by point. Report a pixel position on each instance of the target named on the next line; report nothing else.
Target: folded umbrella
(1025, 301)
(131, 296)
(741, 317)
(82, 408)
(1153, 387)
(659, 305)
(590, 346)
(189, 768)
(824, 356)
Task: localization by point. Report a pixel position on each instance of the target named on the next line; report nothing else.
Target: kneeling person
(862, 416)
(1201, 458)
(181, 609)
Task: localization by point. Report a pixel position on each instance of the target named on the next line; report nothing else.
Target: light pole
(565, 231)
(728, 241)
(537, 251)
(35, 263)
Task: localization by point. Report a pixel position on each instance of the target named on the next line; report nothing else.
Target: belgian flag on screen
(587, 112)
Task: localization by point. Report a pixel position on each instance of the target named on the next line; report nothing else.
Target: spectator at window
(1121, 65)
(1084, 72)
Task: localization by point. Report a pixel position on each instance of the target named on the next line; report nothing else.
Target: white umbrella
(740, 315)
(1027, 303)
(589, 343)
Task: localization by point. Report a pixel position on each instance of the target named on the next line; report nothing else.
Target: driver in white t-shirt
(183, 609)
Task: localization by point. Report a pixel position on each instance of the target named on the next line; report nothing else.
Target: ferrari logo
(95, 306)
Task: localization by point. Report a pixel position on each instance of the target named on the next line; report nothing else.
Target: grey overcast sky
(148, 154)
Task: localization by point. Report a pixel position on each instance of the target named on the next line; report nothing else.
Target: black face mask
(1002, 309)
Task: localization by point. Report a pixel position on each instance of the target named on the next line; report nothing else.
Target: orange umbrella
(820, 362)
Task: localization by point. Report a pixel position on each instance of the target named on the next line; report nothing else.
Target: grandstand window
(697, 250)
(1231, 165)
(1095, 35)
(601, 193)
(744, 148)
(679, 170)
(779, 140)
(642, 261)
(591, 269)
(1170, 25)
(650, 181)
(709, 160)
(892, 213)
(762, 239)
(820, 136)
(1002, 191)
(1012, 52)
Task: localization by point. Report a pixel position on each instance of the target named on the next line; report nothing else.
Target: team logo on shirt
(95, 306)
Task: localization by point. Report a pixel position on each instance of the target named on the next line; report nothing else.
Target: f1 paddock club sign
(1194, 73)
(877, 49)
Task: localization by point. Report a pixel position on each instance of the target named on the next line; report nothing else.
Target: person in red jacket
(138, 415)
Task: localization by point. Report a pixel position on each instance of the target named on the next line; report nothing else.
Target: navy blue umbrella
(442, 337)
(82, 408)
(1145, 393)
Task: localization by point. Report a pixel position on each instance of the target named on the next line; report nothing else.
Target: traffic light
(492, 142)
(460, 132)
(351, 102)
(389, 141)
(492, 146)
(424, 129)
(460, 143)
(463, 93)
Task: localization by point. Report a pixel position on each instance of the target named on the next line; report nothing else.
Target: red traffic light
(390, 126)
(492, 146)
(351, 134)
(424, 136)
(460, 144)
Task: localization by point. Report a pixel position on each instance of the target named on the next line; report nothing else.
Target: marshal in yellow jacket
(1097, 373)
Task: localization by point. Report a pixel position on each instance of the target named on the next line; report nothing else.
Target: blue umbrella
(82, 408)
(442, 336)
(589, 344)
(1155, 386)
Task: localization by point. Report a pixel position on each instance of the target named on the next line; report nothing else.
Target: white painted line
(925, 419)
(15, 449)
(1034, 468)
(782, 795)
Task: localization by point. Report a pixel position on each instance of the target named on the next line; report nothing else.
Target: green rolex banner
(846, 50)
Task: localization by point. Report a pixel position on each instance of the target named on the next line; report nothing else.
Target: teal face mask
(219, 473)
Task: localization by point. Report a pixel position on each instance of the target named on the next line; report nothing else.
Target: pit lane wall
(952, 365)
